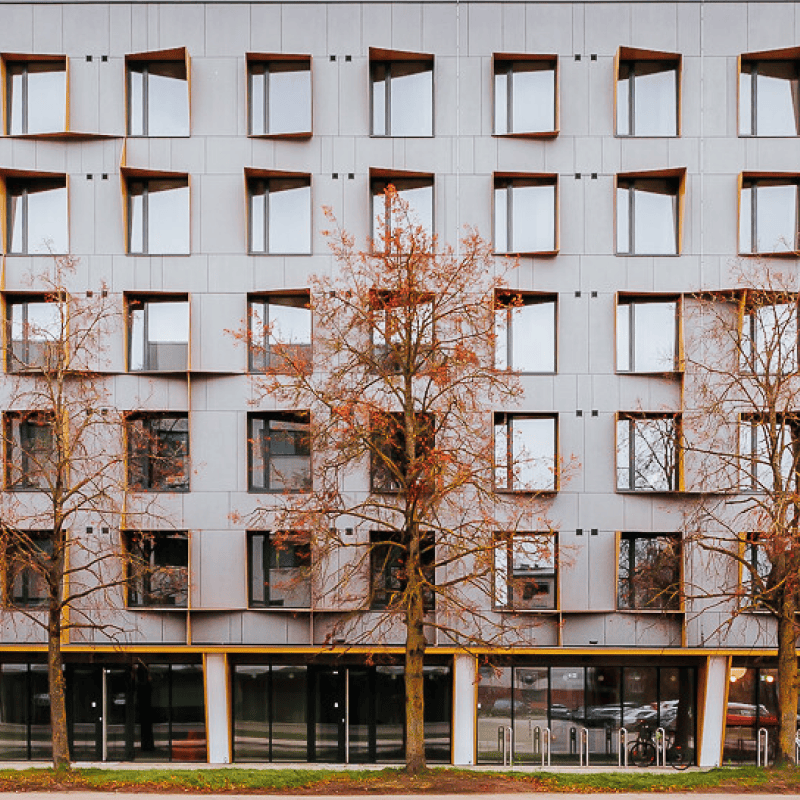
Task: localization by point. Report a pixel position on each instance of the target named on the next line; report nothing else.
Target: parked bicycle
(642, 753)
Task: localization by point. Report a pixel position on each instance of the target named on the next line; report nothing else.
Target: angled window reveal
(158, 212)
(648, 452)
(37, 218)
(158, 452)
(30, 450)
(279, 212)
(525, 452)
(648, 92)
(526, 214)
(647, 334)
(769, 341)
(525, 571)
(649, 211)
(525, 332)
(280, 332)
(402, 93)
(279, 447)
(414, 190)
(35, 94)
(769, 93)
(768, 213)
(279, 568)
(157, 569)
(525, 94)
(158, 333)
(649, 571)
(158, 93)
(279, 95)
(35, 332)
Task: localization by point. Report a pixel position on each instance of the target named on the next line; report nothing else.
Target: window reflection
(280, 332)
(158, 98)
(649, 571)
(769, 101)
(525, 215)
(37, 332)
(417, 193)
(647, 216)
(647, 335)
(280, 215)
(36, 97)
(525, 332)
(525, 453)
(525, 571)
(768, 216)
(647, 98)
(37, 216)
(402, 98)
(647, 453)
(280, 452)
(770, 339)
(280, 97)
(524, 96)
(768, 453)
(158, 216)
(158, 335)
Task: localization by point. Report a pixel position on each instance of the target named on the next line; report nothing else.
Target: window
(35, 331)
(391, 470)
(280, 213)
(388, 556)
(36, 96)
(280, 333)
(37, 221)
(647, 335)
(648, 93)
(280, 569)
(769, 100)
(27, 560)
(648, 215)
(158, 569)
(525, 453)
(525, 571)
(158, 334)
(525, 214)
(158, 215)
(525, 95)
(769, 337)
(402, 93)
(768, 209)
(158, 93)
(158, 452)
(649, 571)
(648, 453)
(756, 575)
(403, 331)
(769, 453)
(30, 450)
(525, 332)
(279, 444)
(415, 206)
(279, 91)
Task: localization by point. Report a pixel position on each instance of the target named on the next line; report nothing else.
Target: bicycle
(642, 753)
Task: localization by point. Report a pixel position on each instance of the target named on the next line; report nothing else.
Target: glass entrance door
(85, 699)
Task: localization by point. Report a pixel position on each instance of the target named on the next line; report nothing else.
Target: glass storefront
(752, 705)
(569, 699)
(334, 713)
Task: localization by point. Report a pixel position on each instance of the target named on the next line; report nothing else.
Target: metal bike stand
(622, 752)
(505, 743)
(797, 747)
(661, 747)
(546, 746)
(583, 749)
(762, 753)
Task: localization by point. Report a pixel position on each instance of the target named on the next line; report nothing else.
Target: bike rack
(797, 747)
(583, 750)
(505, 743)
(622, 752)
(661, 747)
(541, 744)
(762, 752)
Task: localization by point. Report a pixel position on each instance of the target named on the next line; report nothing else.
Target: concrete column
(465, 691)
(715, 698)
(218, 716)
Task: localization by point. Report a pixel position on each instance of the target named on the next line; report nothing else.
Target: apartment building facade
(183, 152)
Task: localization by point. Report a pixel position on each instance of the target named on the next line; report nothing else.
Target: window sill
(548, 492)
(649, 491)
(525, 611)
(156, 255)
(647, 136)
(282, 255)
(64, 254)
(393, 136)
(140, 490)
(162, 136)
(273, 609)
(771, 254)
(769, 136)
(293, 135)
(526, 254)
(671, 373)
(182, 371)
(657, 611)
(647, 255)
(528, 134)
(64, 135)
(182, 609)
(255, 490)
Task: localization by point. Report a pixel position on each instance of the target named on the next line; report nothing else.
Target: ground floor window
(566, 699)
(334, 712)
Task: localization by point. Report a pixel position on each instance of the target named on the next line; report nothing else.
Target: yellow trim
(725, 707)
(66, 94)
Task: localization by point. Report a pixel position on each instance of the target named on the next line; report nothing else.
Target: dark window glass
(280, 570)
(158, 569)
(28, 560)
(649, 571)
(388, 559)
(280, 452)
(30, 451)
(391, 469)
(158, 453)
(525, 571)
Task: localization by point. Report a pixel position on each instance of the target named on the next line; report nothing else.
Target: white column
(218, 717)
(713, 712)
(465, 690)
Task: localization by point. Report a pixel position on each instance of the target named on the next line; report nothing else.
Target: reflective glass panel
(251, 713)
(655, 221)
(494, 712)
(289, 98)
(646, 336)
(289, 714)
(167, 218)
(289, 217)
(411, 95)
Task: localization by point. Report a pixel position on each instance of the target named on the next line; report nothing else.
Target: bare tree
(398, 398)
(741, 425)
(63, 441)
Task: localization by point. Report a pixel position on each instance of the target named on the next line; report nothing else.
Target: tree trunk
(787, 681)
(415, 656)
(55, 677)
